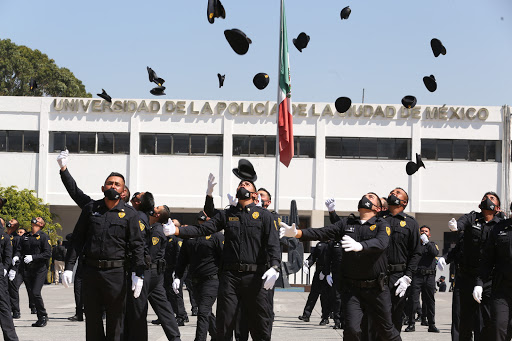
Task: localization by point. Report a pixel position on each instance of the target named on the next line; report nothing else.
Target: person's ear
(103, 188)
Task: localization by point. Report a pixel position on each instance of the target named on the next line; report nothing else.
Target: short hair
(425, 226)
(496, 195)
(164, 214)
(253, 185)
(127, 197)
(116, 174)
(406, 195)
(2, 222)
(22, 228)
(268, 193)
(378, 198)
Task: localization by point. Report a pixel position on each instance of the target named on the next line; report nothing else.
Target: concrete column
(319, 173)
(415, 180)
(42, 159)
(227, 158)
(133, 167)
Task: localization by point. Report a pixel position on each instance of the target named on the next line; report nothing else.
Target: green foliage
(23, 206)
(19, 64)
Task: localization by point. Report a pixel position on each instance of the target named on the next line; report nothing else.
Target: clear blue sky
(383, 47)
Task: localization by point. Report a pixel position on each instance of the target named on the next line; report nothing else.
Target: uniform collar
(247, 208)
(119, 207)
(400, 215)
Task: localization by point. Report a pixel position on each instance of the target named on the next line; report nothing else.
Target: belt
(467, 271)
(362, 284)
(204, 278)
(396, 267)
(427, 271)
(242, 267)
(105, 264)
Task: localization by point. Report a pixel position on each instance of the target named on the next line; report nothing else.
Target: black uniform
(497, 259)
(106, 238)
(203, 256)
(424, 282)
(320, 256)
(473, 234)
(34, 273)
(78, 280)
(5, 307)
(172, 251)
(14, 285)
(453, 258)
(403, 257)
(334, 266)
(363, 274)
(251, 247)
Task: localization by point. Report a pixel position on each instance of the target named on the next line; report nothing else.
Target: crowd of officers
(371, 269)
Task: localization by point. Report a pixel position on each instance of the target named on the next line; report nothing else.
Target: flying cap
(158, 91)
(409, 102)
(215, 10)
(154, 78)
(245, 171)
(238, 40)
(105, 96)
(342, 104)
(221, 79)
(437, 47)
(412, 167)
(430, 83)
(345, 13)
(301, 42)
(261, 80)
(32, 84)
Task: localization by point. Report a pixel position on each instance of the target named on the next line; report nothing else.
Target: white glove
(169, 228)
(137, 283)
(67, 278)
(12, 274)
(286, 230)
(232, 201)
(441, 263)
(424, 239)
(62, 159)
(5, 272)
(452, 225)
(259, 204)
(348, 244)
(330, 204)
(28, 259)
(329, 280)
(305, 269)
(176, 285)
(270, 278)
(211, 184)
(403, 283)
(321, 276)
(15, 259)
(477, 293)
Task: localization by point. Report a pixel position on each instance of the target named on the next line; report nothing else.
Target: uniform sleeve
(79, 197)
(487, 259)
(215, 224)
(220, 247)
(79, 236)
(454, 252)
(465, 221)
(414, 250)
(273, 246)
(7, 256)
(331, 232)
(183, 260)
(136, 245)
(46, 248)
(333, 217)
(209, 207)
(16, 251)
(432, 249)
(381, 240)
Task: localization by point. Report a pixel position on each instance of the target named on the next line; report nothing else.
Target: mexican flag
(284, 96)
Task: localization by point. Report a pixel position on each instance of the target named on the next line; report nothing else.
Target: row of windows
(19, 141)
(90, 143)
(367, 148)
(243, 145)
(180, 144)
(461, 150)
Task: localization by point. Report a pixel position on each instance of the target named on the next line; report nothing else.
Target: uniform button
(248, 210)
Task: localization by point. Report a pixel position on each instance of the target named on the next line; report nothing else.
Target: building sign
(325, 110)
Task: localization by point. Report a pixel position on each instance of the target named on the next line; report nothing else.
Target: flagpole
(276, 196)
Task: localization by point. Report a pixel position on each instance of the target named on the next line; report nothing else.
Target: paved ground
(288, 305)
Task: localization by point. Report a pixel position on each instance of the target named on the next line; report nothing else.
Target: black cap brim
(261, 80)
(342, 104)
(238, 40)
(158, 91)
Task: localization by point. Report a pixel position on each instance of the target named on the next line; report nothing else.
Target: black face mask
(487, 204)
(111, 194)
(243, 194)
(365, 203)
(393, 200)
(8, 225)
(34, 221)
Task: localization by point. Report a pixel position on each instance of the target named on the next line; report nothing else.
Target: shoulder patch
(403, 223)
(275, 224)
(49, 242)
(208, 237)
(234, 219)
(388, 230)
(170, 240)
(155, 240)
(255, 215)
(141, 225)
(180, 243)
(2, 237)
(279, 220)
(121, 214)
(38, 237)
(373, 227)
(437, 247)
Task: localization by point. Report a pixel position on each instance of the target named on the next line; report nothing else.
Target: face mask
(393, 200)
(487, 204)
(111, 194)
(8, 225)
(365, 203)
(243, 194)
(34, 221)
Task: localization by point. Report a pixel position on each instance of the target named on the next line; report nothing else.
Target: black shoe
(418, 319)
(41, 322)
(181, 322)
(157, 321)
(76, 318)
(194, 311)
(433, 329)
(331, 316)
(405, 322)
(337, 324)
(304, 318)
(16, 316)
(186, 319)
(324, 322)
(33, 311)
(424, 322)
(410, 328)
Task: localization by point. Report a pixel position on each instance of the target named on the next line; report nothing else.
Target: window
(305, 146)
(460, 150)
(121, 143)
(180, 144)
(14, 141)
(105, 143)
(147, 144)
(3, 141)
(197, 145)
(164, 144)
(87, 142)
(214, 144)
(256, 145)
(31, 141)
(19, 141)
(367, 148)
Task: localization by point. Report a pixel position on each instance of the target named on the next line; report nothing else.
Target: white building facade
(169, 147)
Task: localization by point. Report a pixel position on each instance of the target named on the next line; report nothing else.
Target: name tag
(234, 219)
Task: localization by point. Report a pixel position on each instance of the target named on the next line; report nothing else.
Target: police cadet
(250, 261)
(403, 251)
(15, 276)
(497, 260)
(363, 266)
(35, 252)
(107, 231)
(319, 286)
(474, 229)
(424, 282)
(333, 279)
(157, 296)
(6, 322)
(202, 255)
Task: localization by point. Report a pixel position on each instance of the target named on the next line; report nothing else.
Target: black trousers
(205, 292)
(397, 302)
(242, 325)
(247, 288)
(14, 293)
(376, 304)
(104, 290)
(5, 311)
(77, 288)
(455, 314)
(34, 277)
(135, 320)
(318, 288)
(177, 304)
(475, 319)
(501, 312)
(162, 307)
(426, 286)
(191, 294)
(336, 297)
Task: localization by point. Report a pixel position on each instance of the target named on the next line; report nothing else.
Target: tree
(20, 64)
(23, 206)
